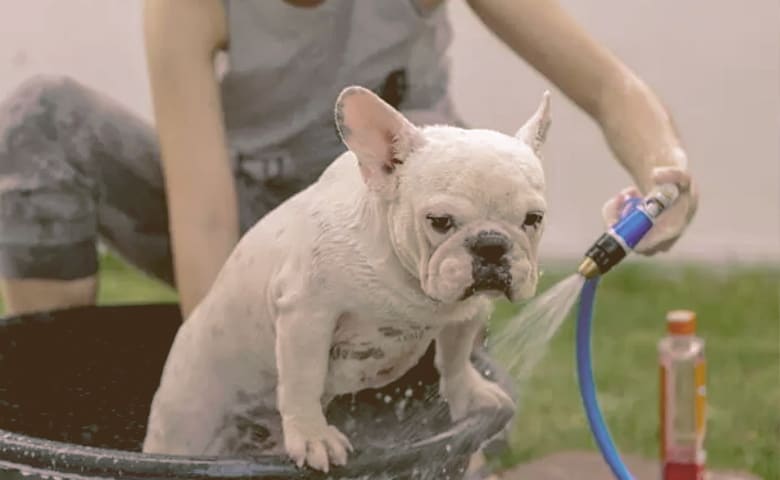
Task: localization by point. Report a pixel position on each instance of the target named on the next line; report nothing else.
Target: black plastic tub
(76, 385)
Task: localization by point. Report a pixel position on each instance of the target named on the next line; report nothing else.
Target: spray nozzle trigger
(659, 199)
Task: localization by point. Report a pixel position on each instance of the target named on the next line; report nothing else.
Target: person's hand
(671, 223)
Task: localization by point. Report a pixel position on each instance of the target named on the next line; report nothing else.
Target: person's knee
(43, 88)
(39, 129)
(48, 205)
(37, 169)
(33, 113)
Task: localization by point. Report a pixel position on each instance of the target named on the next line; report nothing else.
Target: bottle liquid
(683, 398)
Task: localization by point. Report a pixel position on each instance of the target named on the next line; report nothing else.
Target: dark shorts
(76, 167)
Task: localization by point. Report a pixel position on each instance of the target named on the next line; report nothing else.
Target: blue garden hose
(587, 384)
(637, 219)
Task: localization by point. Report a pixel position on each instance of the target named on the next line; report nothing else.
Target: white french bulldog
(406, 238)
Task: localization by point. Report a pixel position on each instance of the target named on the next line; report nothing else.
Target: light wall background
(714, 64)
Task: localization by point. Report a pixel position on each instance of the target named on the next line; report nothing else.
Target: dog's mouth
(490, 279)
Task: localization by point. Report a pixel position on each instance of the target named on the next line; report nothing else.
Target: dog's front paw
(312, 441)
(470, 392)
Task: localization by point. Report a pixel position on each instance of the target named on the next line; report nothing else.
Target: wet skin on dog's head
(470, 212)
(465, 208)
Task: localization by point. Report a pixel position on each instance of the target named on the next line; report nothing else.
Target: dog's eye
(533, 219)
(441, 223)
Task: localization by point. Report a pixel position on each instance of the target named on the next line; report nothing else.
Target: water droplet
(408, 393)
(388, 399)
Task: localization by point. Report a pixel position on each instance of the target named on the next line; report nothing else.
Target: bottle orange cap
(681, 322)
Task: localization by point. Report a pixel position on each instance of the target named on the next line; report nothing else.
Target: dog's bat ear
(534, 132)
(379, 135)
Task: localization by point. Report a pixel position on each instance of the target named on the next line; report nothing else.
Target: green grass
(120, 283)
(738, 317)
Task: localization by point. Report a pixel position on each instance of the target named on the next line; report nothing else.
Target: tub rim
(19, 451)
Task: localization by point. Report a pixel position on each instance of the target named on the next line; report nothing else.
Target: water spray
(637, 218)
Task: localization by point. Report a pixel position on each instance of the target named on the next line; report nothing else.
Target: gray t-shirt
(286, 65)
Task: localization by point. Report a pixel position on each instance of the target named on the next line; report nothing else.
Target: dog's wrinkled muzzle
(490, 264)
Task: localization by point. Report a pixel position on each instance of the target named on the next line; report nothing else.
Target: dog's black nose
(490, 246)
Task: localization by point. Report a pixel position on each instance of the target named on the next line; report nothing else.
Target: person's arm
(182, 38)
(637, 127)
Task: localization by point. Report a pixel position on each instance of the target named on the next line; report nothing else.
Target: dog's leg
(303, 341)
(461, 385)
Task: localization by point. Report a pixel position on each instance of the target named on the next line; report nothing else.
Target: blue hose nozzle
(637, 219)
